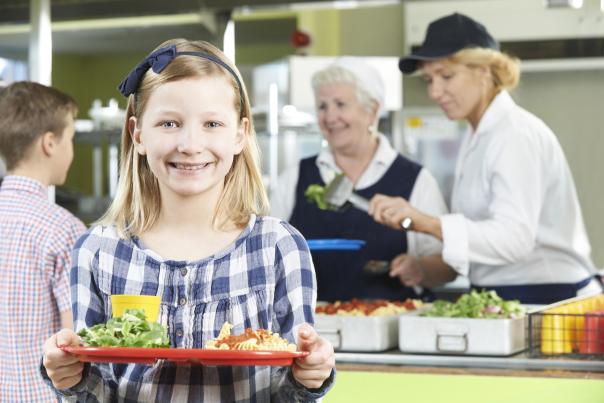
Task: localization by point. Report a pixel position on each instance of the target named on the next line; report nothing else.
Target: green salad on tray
(483, 305)
(129, 330)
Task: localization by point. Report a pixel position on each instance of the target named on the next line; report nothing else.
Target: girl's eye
(169, 124)
(213, 125)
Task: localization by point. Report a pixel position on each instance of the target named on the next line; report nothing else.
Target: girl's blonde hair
(505, 69)
(137, 202)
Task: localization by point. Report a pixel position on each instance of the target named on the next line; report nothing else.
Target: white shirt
(515, 216)
(425, 196)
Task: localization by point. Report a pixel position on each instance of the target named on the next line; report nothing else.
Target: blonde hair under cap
(362, 75)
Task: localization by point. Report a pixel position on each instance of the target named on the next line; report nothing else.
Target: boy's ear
(242, 132)
(135, 135)
(48, 143)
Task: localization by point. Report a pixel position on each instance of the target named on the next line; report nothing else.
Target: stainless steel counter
(519, 361)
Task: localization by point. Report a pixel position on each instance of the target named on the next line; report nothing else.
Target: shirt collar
(24, 184)
(499, 107)
(384, 155)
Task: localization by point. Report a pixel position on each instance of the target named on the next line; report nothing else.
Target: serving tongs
(341, 190)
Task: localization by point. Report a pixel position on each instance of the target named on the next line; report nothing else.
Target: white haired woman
(516, 225)
(349, 95)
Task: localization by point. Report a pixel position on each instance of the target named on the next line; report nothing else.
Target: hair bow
(157, 61)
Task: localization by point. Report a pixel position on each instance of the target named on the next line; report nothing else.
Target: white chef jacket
(425, 196)
(515, 216)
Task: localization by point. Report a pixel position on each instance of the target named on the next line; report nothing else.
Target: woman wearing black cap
(516, 225)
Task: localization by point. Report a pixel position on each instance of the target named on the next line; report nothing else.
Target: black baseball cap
(446, 36)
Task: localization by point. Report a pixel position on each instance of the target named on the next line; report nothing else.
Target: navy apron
(339, 274)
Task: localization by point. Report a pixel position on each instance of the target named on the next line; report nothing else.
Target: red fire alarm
(300, 41)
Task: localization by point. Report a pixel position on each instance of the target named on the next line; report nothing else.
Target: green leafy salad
(483, 305)
(129, 330)
(316, 194)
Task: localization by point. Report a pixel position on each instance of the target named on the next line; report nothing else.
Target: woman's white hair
(355, 71)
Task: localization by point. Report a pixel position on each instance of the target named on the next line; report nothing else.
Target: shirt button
(183, 272)
(182, 301)
(179, 332)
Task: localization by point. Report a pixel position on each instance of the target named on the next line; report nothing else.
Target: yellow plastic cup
(150, 303)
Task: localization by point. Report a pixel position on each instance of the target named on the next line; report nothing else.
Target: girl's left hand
(312, 370)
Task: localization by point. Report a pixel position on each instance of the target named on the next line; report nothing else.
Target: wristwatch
(407, 223)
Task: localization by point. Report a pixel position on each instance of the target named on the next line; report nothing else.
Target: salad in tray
(480, 305)
(129, 330)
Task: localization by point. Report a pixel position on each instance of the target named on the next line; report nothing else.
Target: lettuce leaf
(129, 330)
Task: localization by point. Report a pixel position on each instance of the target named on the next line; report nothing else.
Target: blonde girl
(188, 225)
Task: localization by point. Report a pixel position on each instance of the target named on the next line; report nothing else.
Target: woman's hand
(63, 369)
(312, 370)
(390, 211)
(407, 269)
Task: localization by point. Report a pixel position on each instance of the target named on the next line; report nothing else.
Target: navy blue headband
(159, 59)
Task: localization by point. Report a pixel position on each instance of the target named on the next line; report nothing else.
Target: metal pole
(40, 49)
(40, 42)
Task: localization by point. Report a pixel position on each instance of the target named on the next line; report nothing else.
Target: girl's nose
(190, 140)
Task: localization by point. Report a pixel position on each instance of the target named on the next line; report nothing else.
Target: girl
(187, 224)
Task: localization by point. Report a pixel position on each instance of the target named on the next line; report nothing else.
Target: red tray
(202, 356)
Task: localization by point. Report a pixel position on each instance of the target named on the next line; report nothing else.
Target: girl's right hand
(63, 369)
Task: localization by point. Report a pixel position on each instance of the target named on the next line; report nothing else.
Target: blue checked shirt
(265, 279)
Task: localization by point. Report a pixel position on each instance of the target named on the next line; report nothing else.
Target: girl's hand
(63, 369)
(312, 370)
(390, 211)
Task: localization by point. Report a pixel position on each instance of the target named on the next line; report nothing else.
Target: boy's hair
(27, 111)
(137, 201)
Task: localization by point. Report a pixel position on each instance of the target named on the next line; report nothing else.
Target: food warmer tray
(359, 333)
(441, 335)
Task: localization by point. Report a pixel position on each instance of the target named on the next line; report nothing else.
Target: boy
(36, 235)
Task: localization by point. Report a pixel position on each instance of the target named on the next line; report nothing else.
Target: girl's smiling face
(190, 132)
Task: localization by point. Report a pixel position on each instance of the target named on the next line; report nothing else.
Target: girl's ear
(135, 135)
(242, 132)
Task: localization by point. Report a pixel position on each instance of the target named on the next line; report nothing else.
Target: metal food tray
(464, 336)
(359, 333)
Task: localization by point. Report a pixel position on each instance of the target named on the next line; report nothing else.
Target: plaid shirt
(265, 279)
(36, 238)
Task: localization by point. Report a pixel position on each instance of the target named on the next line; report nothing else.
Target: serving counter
(393, 376)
